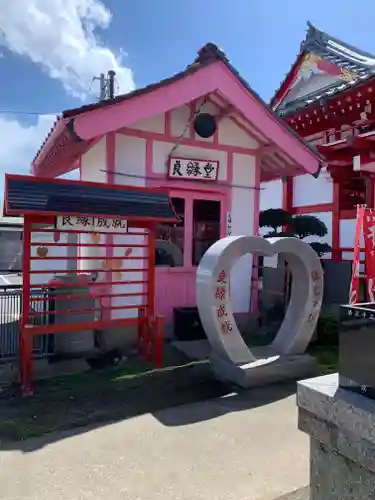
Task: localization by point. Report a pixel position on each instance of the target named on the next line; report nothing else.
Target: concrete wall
(242, 223)
(94, 162)
(310, 191)
(347, 233)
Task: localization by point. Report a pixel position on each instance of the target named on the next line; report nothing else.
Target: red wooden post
(336, 252)
(151, 270)
(149, 339)
(287, 205)
(150, 292)
(370, 190)
(159, 340)
(141, 330)
(287, 194)
(25, 334)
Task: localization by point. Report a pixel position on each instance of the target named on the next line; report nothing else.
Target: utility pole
(107, 85)
(102, 86)
(111, 84)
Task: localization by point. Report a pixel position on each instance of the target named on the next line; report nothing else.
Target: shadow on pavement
(176, 397)
(242, 400)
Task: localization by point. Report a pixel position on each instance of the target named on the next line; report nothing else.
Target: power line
(108, 85)
(35, 113)
(137, 176)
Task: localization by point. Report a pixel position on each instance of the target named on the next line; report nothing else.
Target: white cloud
(61, 37)
(20, 143)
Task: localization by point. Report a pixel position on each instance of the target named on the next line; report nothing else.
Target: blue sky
(48, 60)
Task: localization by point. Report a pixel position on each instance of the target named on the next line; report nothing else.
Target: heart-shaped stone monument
(215, 310)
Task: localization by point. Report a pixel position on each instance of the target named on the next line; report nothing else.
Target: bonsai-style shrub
(274, 218)
(284, 224)
(320, 248)
(300, 226)
(307, 225)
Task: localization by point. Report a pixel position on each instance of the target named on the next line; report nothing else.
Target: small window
(170, 239)
(206, 227)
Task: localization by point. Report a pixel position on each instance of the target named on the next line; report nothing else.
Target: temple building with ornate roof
(327, 97)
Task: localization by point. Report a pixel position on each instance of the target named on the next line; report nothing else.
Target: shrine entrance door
(180, 246)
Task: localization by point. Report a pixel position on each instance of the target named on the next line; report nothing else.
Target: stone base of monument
(268, 368)
(341, 426)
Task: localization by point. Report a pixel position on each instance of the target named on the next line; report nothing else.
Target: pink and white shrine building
(205, 136)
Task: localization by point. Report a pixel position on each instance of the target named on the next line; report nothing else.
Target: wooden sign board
(91, 224)
(192, 169)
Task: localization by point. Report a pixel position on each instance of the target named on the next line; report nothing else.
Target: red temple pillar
(336, 253)
(287, 196)
(370, 190)
(334, 173)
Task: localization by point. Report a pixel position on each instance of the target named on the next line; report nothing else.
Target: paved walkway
(234, 448)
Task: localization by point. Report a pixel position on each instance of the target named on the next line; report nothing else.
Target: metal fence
(10, 316)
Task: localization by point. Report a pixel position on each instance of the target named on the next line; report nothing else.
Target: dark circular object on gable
(205, 125)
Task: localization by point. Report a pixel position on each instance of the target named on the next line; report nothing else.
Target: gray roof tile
(337, 52)
(29, 194)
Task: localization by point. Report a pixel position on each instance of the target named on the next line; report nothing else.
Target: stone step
(300, 494)
(268, 368)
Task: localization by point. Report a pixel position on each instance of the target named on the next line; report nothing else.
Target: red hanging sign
(354, 286)
(369, 237)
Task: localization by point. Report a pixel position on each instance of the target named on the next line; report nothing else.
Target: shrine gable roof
(211, 72)
(349, 64)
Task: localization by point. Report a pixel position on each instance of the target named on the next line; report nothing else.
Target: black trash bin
(356, 348)
(187, 324)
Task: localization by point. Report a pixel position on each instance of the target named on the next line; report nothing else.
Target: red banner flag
(369, 237)
(354, 286)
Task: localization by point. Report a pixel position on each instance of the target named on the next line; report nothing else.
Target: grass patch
(326, 354)
(133, 388)
(327, 358)
(95, 397)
